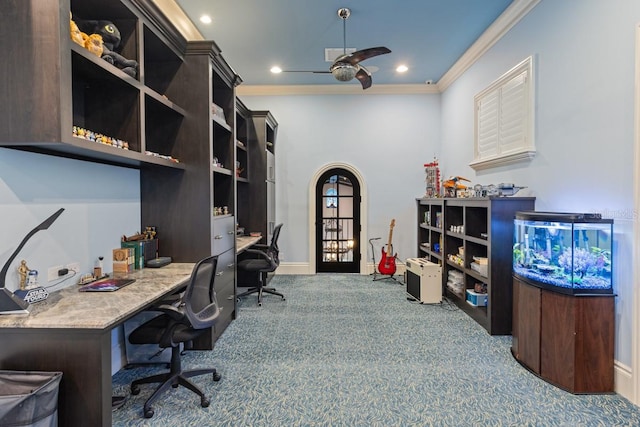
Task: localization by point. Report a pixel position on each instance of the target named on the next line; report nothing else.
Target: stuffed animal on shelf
(76, 35)
(110, 42)
(93, 44)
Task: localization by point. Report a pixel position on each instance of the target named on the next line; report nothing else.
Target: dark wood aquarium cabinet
(567, 340)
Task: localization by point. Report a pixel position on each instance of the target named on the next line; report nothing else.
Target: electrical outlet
(52, 272)
(74, 266)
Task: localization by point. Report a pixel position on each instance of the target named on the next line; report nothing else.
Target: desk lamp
(10, 303)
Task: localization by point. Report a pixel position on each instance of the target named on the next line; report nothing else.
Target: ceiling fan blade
(365, 77)
(306, 71)
(361, 55)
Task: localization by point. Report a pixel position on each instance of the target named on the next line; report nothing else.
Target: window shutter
(487, 110)
(504, 119)
(513, 115)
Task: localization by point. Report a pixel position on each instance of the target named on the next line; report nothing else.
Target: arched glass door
(338, 222)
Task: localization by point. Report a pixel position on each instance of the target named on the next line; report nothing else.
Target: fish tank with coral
(567, 252)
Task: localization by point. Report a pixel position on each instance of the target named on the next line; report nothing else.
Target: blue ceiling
(426, 35)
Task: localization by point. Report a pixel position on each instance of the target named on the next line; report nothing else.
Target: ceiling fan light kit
(346, 67)
(343, 72)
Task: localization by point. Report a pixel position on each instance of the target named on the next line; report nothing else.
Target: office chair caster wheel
(259, 304)
(284, 299)
(204, 402)
(135, 390)
(217, 376)
(148, 412)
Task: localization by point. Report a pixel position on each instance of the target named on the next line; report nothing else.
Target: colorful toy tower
(432, 170)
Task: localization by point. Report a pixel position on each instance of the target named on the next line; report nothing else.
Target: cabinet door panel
(526, 327)
(557, 353)
(595, 344)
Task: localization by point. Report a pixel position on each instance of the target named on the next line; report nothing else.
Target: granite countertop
(69, 308)
(245, 242)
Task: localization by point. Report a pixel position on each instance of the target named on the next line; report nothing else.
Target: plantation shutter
(504, 119)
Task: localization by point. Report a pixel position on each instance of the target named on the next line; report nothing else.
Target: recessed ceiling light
(402, 69)
(205, 19)
(276, 69)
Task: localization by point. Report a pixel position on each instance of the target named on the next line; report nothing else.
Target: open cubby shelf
(486, 231)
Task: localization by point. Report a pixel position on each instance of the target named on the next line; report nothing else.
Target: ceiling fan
(347, 66)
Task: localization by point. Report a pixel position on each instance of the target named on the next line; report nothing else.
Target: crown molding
(334, 89)
(510, 17)
(176, 15)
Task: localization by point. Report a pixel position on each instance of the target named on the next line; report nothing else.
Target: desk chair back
(200, 302)
(273, 252)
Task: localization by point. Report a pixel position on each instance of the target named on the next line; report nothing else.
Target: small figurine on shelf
(23, 272)
(453, 184)
(149, 232)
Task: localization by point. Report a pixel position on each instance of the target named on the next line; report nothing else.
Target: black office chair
(263, 259)
(196, 312)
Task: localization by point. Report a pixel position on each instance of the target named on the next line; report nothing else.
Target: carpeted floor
(343, 350)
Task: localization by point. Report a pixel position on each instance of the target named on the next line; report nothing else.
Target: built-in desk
(245, 242)
(71, 332)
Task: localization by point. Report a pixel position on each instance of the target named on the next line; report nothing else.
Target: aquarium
(567, 252)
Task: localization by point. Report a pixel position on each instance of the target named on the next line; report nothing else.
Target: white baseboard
(305, 268)
(623, 380)
(294, 268)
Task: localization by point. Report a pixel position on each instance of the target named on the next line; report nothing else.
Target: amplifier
(424, 280)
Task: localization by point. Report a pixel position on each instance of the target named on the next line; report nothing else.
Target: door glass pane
(337, 219)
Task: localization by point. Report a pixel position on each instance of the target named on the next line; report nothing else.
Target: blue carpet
(343, 350)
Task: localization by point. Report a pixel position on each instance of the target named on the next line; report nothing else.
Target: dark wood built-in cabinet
(567, 340)
(263, 174)
(468, 228)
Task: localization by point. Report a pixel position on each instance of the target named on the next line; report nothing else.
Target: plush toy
(94, 44)
(76, 35)
(110, 42)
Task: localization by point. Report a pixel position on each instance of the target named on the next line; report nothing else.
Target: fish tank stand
(567, 340)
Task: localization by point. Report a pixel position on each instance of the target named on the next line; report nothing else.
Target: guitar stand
(375, 266)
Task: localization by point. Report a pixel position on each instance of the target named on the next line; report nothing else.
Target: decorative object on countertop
(23, 271)
(9, 302)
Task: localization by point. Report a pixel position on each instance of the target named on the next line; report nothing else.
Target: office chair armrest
(264, 255)
(260, 246)
(175, 312)
(258, 252)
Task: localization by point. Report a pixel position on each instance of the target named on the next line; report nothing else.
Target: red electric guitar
(388, 262)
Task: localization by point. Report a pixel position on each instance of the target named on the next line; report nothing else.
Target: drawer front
(224, 235)
(225, 281)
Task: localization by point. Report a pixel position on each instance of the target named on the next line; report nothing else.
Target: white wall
(101, 204)
(584, 68)
(387, 138)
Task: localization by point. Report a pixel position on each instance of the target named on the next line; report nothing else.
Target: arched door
(338, 222)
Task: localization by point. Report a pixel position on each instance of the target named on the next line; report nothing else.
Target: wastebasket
(29, 398)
